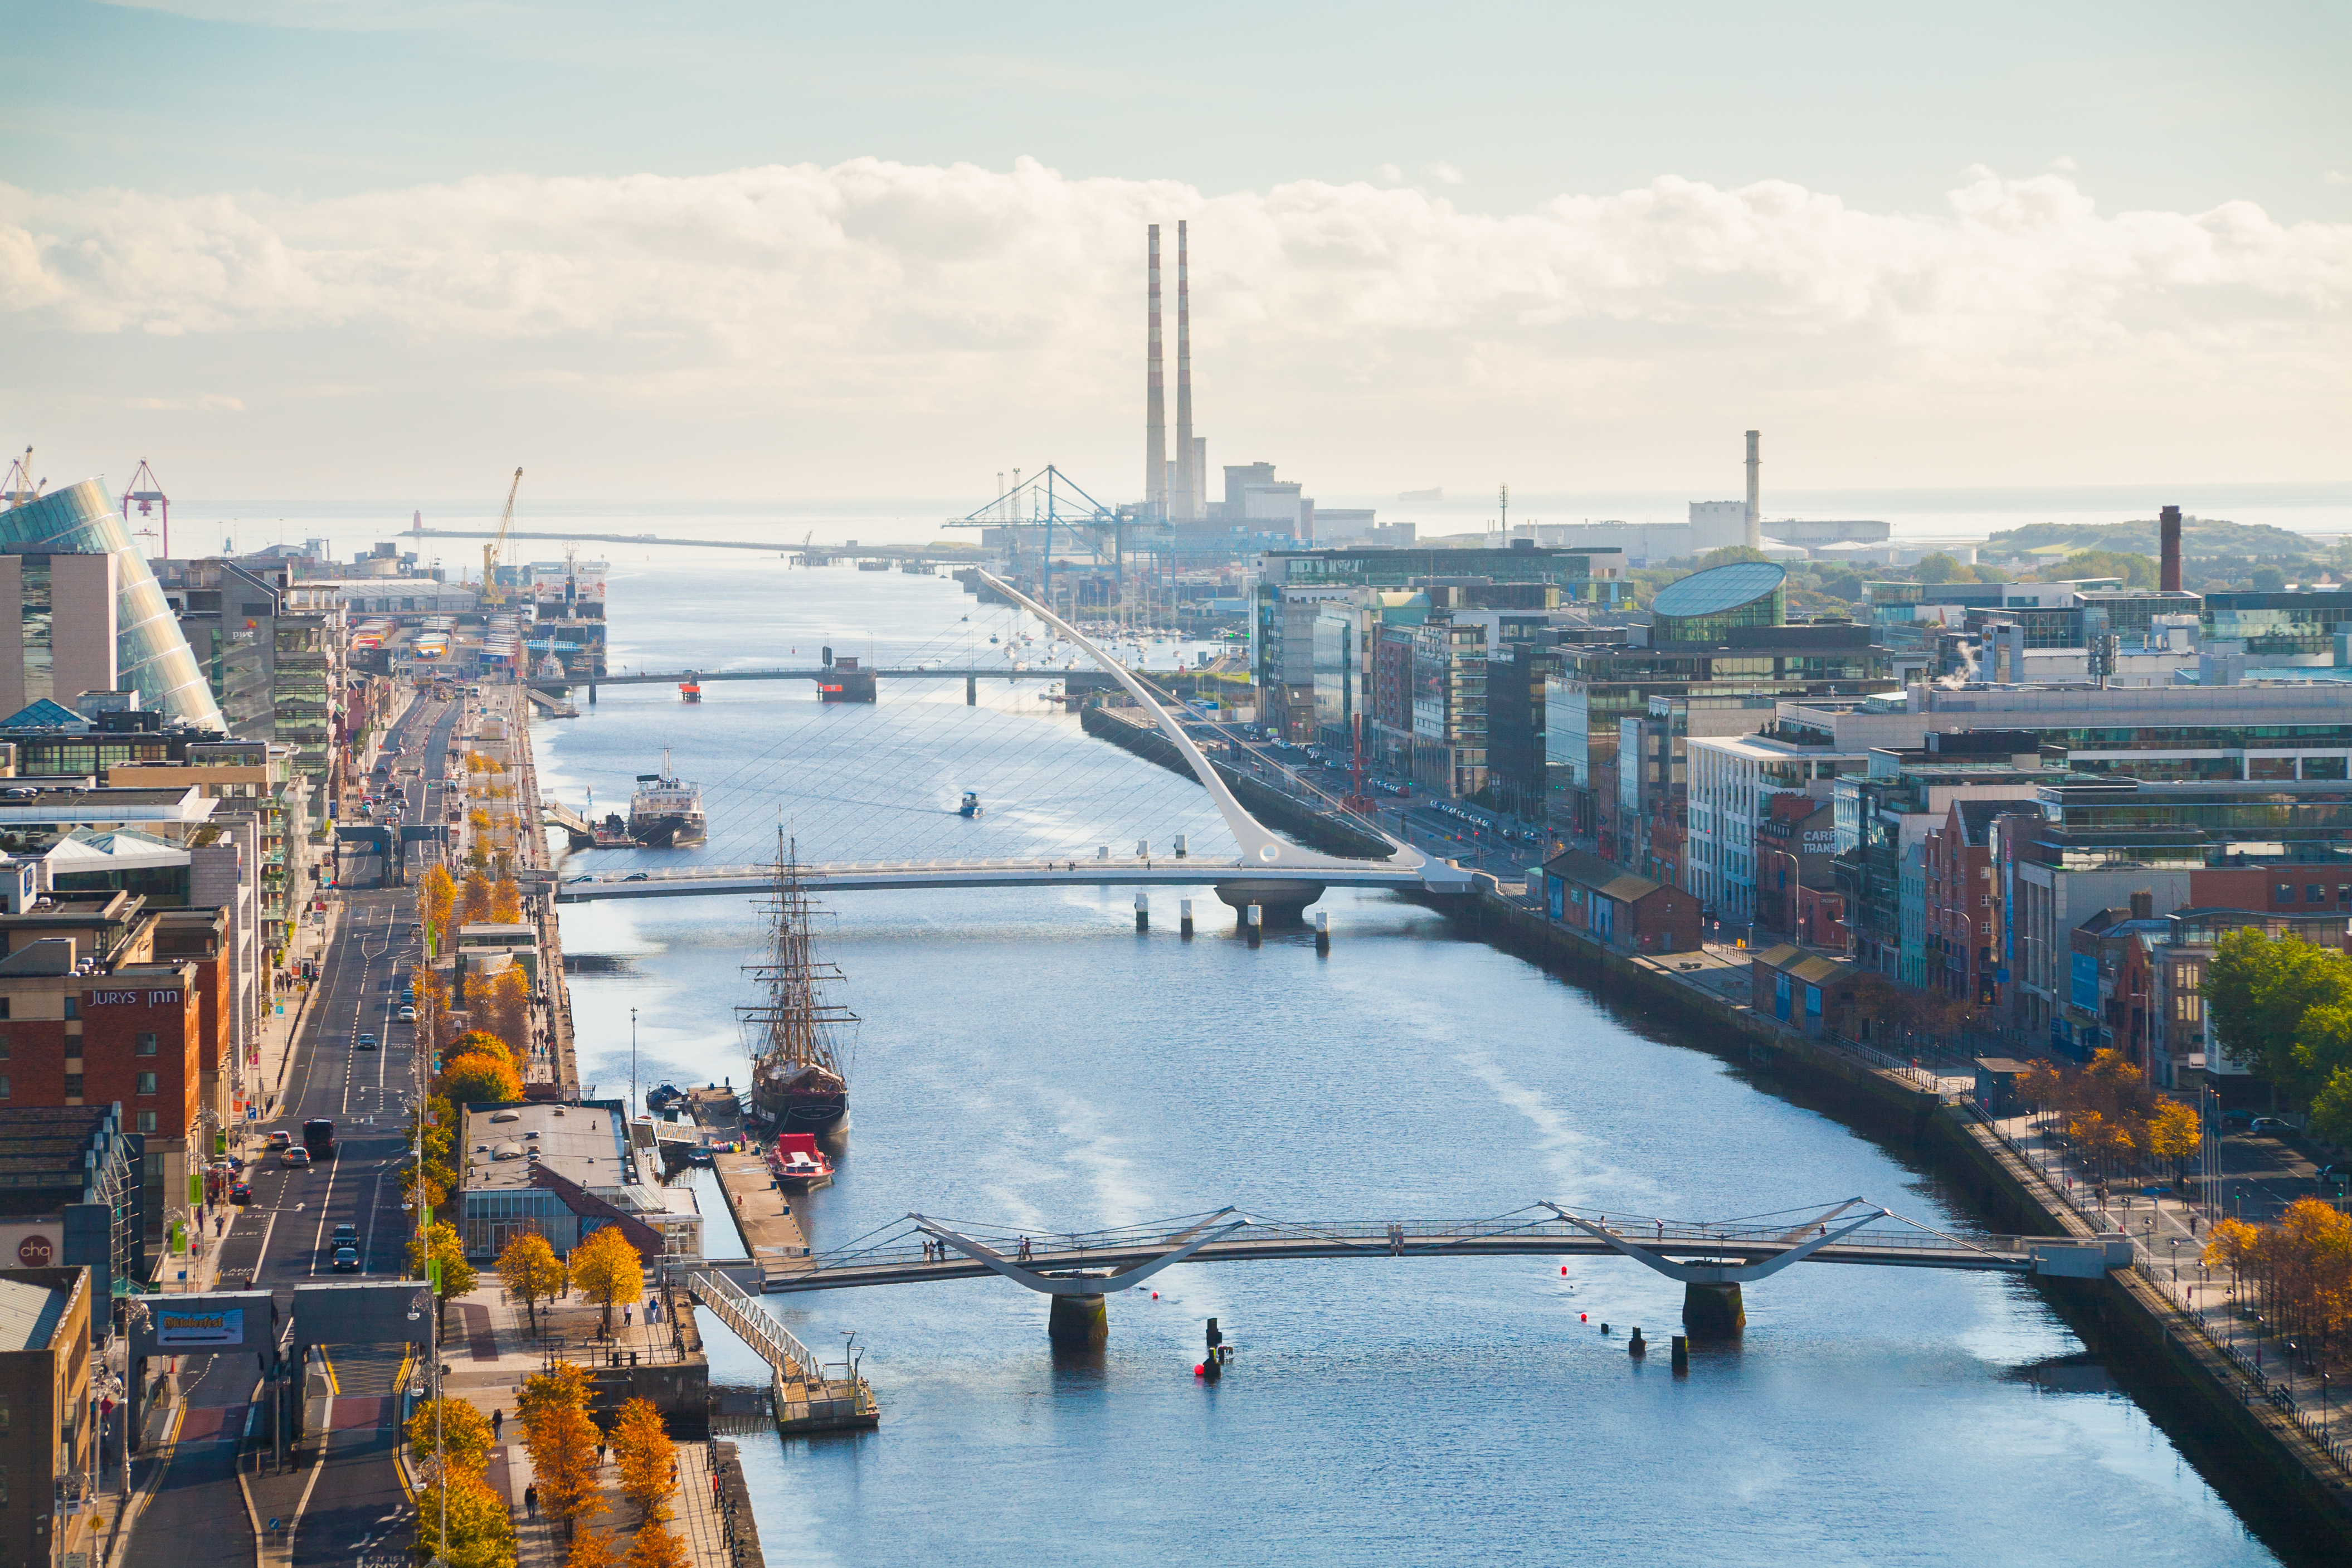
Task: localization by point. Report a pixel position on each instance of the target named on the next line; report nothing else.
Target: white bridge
(1269, 870)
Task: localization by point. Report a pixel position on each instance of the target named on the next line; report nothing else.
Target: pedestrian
(626, 1308)
(530, 1500)
(498, 1423)
(600, 1456)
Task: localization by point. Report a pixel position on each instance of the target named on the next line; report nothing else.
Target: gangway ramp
(807, 1400)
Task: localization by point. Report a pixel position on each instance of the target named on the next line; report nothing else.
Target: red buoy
(1584, 1317)
(1200, 1369)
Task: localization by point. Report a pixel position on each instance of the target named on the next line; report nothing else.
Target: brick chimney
(2168, 528)
(2142, 905)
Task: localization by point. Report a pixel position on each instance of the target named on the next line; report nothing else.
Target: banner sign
(199, 1326)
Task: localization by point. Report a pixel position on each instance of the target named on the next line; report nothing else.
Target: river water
(1026, 1058)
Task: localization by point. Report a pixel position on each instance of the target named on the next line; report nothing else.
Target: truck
(319, 1137)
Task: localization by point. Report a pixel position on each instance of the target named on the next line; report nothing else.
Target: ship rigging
(799, 1083)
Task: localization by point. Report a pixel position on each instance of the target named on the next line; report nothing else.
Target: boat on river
(665, 811)
(799, 1083)
(798, 1164)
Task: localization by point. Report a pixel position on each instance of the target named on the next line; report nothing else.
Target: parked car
(295, 1157)
(2273, 1126)
(347, 1260)
(281, 1139)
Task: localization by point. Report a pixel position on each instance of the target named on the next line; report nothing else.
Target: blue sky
(224, 249)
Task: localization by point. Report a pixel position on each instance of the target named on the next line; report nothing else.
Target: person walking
(498, 1423)
(530, 1500)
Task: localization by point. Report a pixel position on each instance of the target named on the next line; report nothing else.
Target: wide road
(284, 1236)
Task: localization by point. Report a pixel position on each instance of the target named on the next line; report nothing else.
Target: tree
(657, 1547)
(2173, 1133)
(2137, 570)
(480, 1079)
(532, 1273)
(2323, 1042)
(463, 1435)
(474, 897)
(436, 896)
(590, 1550)
(2259, 989)
(506, 902)
(648, 1459)
(1731, 554)
(482, 1531)
(479, 1043)
(457, 1275)
(1937, 568)
(507, 1009)
(606, 1269)
(562, 1441)
(2331, 1109)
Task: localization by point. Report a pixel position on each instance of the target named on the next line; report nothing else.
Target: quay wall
(2279, 1475)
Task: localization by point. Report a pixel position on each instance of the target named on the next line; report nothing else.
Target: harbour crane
(491, 593)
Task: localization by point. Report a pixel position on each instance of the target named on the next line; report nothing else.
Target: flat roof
(30, 1314)
(581, 1143)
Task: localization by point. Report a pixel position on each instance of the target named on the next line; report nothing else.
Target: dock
(772, 1232)
(807, 1400)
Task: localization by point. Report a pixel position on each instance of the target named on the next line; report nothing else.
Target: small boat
(661, 1096)
(690, 689)
(970, 806)
(798, 1164)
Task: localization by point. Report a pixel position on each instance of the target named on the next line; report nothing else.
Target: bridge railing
(907, 1249)
(776, 1345)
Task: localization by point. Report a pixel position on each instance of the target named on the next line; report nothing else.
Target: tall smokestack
(1188, 478)
(2168, 528)
(1155, 408)
(1755, 490)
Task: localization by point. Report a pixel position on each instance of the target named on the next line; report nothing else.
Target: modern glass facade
(152, 655)
(2298, 622)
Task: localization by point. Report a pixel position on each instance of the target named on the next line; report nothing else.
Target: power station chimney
(1755, 490)
(1187, 477)
(1155, 409)
(2168, 528)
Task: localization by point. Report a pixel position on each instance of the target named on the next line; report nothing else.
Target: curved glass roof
(1720, 588)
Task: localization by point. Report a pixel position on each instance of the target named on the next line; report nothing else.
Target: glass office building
(152, 657)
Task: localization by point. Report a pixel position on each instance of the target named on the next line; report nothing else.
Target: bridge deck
(694, 881)
(907, 1265)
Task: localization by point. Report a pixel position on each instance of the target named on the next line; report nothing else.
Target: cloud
(2335, 177)
(1445, 173)
(874, 289)
(209, 403)
(1389, 174)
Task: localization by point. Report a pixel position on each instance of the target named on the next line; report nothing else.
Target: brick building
(1796, 847)
(48, 1444)
(1611, 904)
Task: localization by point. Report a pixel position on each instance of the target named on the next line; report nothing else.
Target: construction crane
(491, 593)
(149, 499)
(20, 489)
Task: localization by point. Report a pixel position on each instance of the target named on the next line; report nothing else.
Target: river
(1027, 1057)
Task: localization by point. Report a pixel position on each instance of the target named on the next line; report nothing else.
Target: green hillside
(2201, 539)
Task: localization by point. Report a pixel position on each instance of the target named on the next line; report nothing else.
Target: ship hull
(666, 831)
(800, 1111)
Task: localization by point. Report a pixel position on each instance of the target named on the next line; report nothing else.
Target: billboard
(177, 1327)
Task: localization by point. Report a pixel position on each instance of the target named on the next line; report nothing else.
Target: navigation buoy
(1604, 1328)
(1584, 1317)
(1200, 1369)
(1563, 1271)
(1155, 1295)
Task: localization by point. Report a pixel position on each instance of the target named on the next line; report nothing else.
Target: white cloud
(873, 291)
(1389, 174)
(1445, 173)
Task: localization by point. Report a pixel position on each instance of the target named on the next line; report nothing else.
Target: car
(575, 881)
(2271, 1125)
(281, 1139)
(347, 1260)
(346, 1235)
(367, 1042)
(638, 877)
(241, 1194)
(408, 1015)
(2238, 1114)
(295, 1157)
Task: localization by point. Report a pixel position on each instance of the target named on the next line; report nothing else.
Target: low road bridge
(1270, 871)
(1711, 1258)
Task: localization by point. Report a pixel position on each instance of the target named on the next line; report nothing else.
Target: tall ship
(798, 1081)
(664, 811)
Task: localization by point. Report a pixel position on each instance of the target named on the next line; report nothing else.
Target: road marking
(263, 1252)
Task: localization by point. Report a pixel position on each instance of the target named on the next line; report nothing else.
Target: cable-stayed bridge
(1249, 864)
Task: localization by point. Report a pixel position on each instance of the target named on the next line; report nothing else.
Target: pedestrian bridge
(1269, 870)
(1712, 1259)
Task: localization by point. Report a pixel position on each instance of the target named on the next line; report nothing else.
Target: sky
(394, 249)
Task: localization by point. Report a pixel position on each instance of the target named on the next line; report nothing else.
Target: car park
(295, 1157)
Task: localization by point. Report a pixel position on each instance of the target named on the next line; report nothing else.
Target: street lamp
(633, 1061)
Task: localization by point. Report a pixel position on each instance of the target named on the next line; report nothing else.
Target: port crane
(20, 489)
(149, 499)
(491, 593)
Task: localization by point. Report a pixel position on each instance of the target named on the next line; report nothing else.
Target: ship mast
(796, 1022)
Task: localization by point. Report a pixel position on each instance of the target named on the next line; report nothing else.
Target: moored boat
(798, 1164)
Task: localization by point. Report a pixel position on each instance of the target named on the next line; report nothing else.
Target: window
(146, 1083)
(2313, 893)
(144, 1045)
(2285, 893)
(146, 1121)
(3, 1048)
(3, 1006)
(4, 1085)
(73, 1007)
(73, 1086)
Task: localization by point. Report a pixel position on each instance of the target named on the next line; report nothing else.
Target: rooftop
(578, 1142)
(31, 1314)
(1718, 589)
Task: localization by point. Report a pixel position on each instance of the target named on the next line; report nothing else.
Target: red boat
(800, 1166)
(690, 689)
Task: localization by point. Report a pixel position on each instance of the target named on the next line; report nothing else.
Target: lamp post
(633, 1061)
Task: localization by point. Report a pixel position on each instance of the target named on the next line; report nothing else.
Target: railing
(777, 1345)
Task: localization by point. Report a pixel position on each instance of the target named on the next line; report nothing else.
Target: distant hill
(2201, 539)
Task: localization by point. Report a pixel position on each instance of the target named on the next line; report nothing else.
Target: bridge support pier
(1284, 903)
(1714, 1311)
(971, 691)
(1078, 1322)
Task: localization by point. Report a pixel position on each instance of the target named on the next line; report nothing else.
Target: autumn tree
(507, 1009)
(506, 902)
(532, 1273)
(562, 1441)
(434, 1126)
(450, 1427)
(647, 1460)
(2174, 1134)
(476, 1078)
(448, 1253)
(481, 1530)
(474, 897)
(657, 1546)
(607, 1270)
(590, 1550)
(436, 896)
